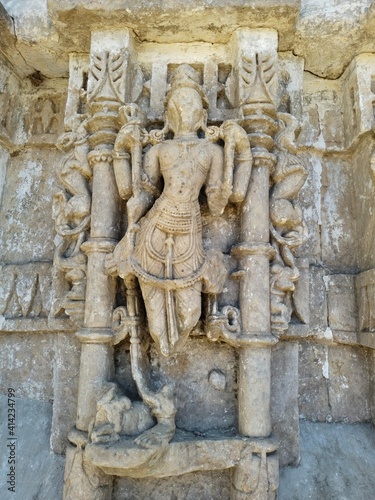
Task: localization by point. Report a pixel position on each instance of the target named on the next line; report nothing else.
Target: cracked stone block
(336, 463)
(318, 301)
(313, 390)
(284, 401)
(334, 383)
(65, 389)
(39, 473)
(198, 485)
(342, 306)
(349, 384)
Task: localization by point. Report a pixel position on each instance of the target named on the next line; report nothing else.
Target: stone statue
(72, 214)
(163, 244)
(288, 229)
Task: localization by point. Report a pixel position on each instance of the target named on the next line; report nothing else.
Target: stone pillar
(110, 65)
(255, 56)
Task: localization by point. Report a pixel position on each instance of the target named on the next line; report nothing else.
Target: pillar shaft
(106, 94)
(256, 49)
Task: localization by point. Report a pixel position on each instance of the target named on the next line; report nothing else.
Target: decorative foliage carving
(288, 229)
(26, 290)
(108, 68)
(258, 73)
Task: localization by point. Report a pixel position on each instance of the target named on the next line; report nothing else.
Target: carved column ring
(258, 139)
(243, 249)
(95, 335)
(99, 245)
(263, 159)
(99, 156)
(256, 340)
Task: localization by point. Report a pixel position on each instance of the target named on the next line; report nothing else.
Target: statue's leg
(154, 299)
(188, 308)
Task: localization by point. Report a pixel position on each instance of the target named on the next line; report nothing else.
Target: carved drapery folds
(137, 189)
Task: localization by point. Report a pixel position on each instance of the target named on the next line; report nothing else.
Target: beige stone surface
(204, 485)
(334, 383)
(65, 390)
(284, 401)
(342, 304)
(338, 230)
(31, 374)
(24, 207)
(201, 406)
(86, 75)
(338, 457)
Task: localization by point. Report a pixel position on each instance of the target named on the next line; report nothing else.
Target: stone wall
(323, 369)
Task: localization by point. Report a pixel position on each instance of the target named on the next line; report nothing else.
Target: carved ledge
(257, 339)
(367, 339)
(183, 455)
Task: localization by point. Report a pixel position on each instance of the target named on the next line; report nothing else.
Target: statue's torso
(184, 167)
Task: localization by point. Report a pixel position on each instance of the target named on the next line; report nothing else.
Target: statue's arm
(217, 190)
(142, 201)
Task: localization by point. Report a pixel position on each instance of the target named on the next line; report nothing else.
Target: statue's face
(185, 111)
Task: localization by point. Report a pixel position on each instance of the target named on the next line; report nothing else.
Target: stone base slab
(183, 455)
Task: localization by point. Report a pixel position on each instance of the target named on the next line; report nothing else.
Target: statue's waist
(178, 218)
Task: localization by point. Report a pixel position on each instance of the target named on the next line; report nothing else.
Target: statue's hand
(119, 254)
(238, 159)
(66, 141)
(128, 137)
(217, 197)
(235, 135)
(138, 205)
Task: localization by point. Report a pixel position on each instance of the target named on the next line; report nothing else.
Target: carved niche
(148, 255)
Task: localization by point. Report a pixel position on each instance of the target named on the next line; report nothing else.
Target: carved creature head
(185, 103)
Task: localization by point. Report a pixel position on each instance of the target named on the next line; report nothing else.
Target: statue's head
(186, 103)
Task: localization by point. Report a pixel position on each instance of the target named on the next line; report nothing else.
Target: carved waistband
(167, 284)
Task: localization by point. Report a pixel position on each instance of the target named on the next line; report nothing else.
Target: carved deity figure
(163, 245)
(288, 229)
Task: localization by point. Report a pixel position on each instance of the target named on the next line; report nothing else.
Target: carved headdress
(185, 92)
(186, 77)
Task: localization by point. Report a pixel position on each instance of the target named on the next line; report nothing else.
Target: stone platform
(184, 454)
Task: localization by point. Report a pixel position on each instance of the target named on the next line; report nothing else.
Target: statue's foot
(157, 436)
(104, 434)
